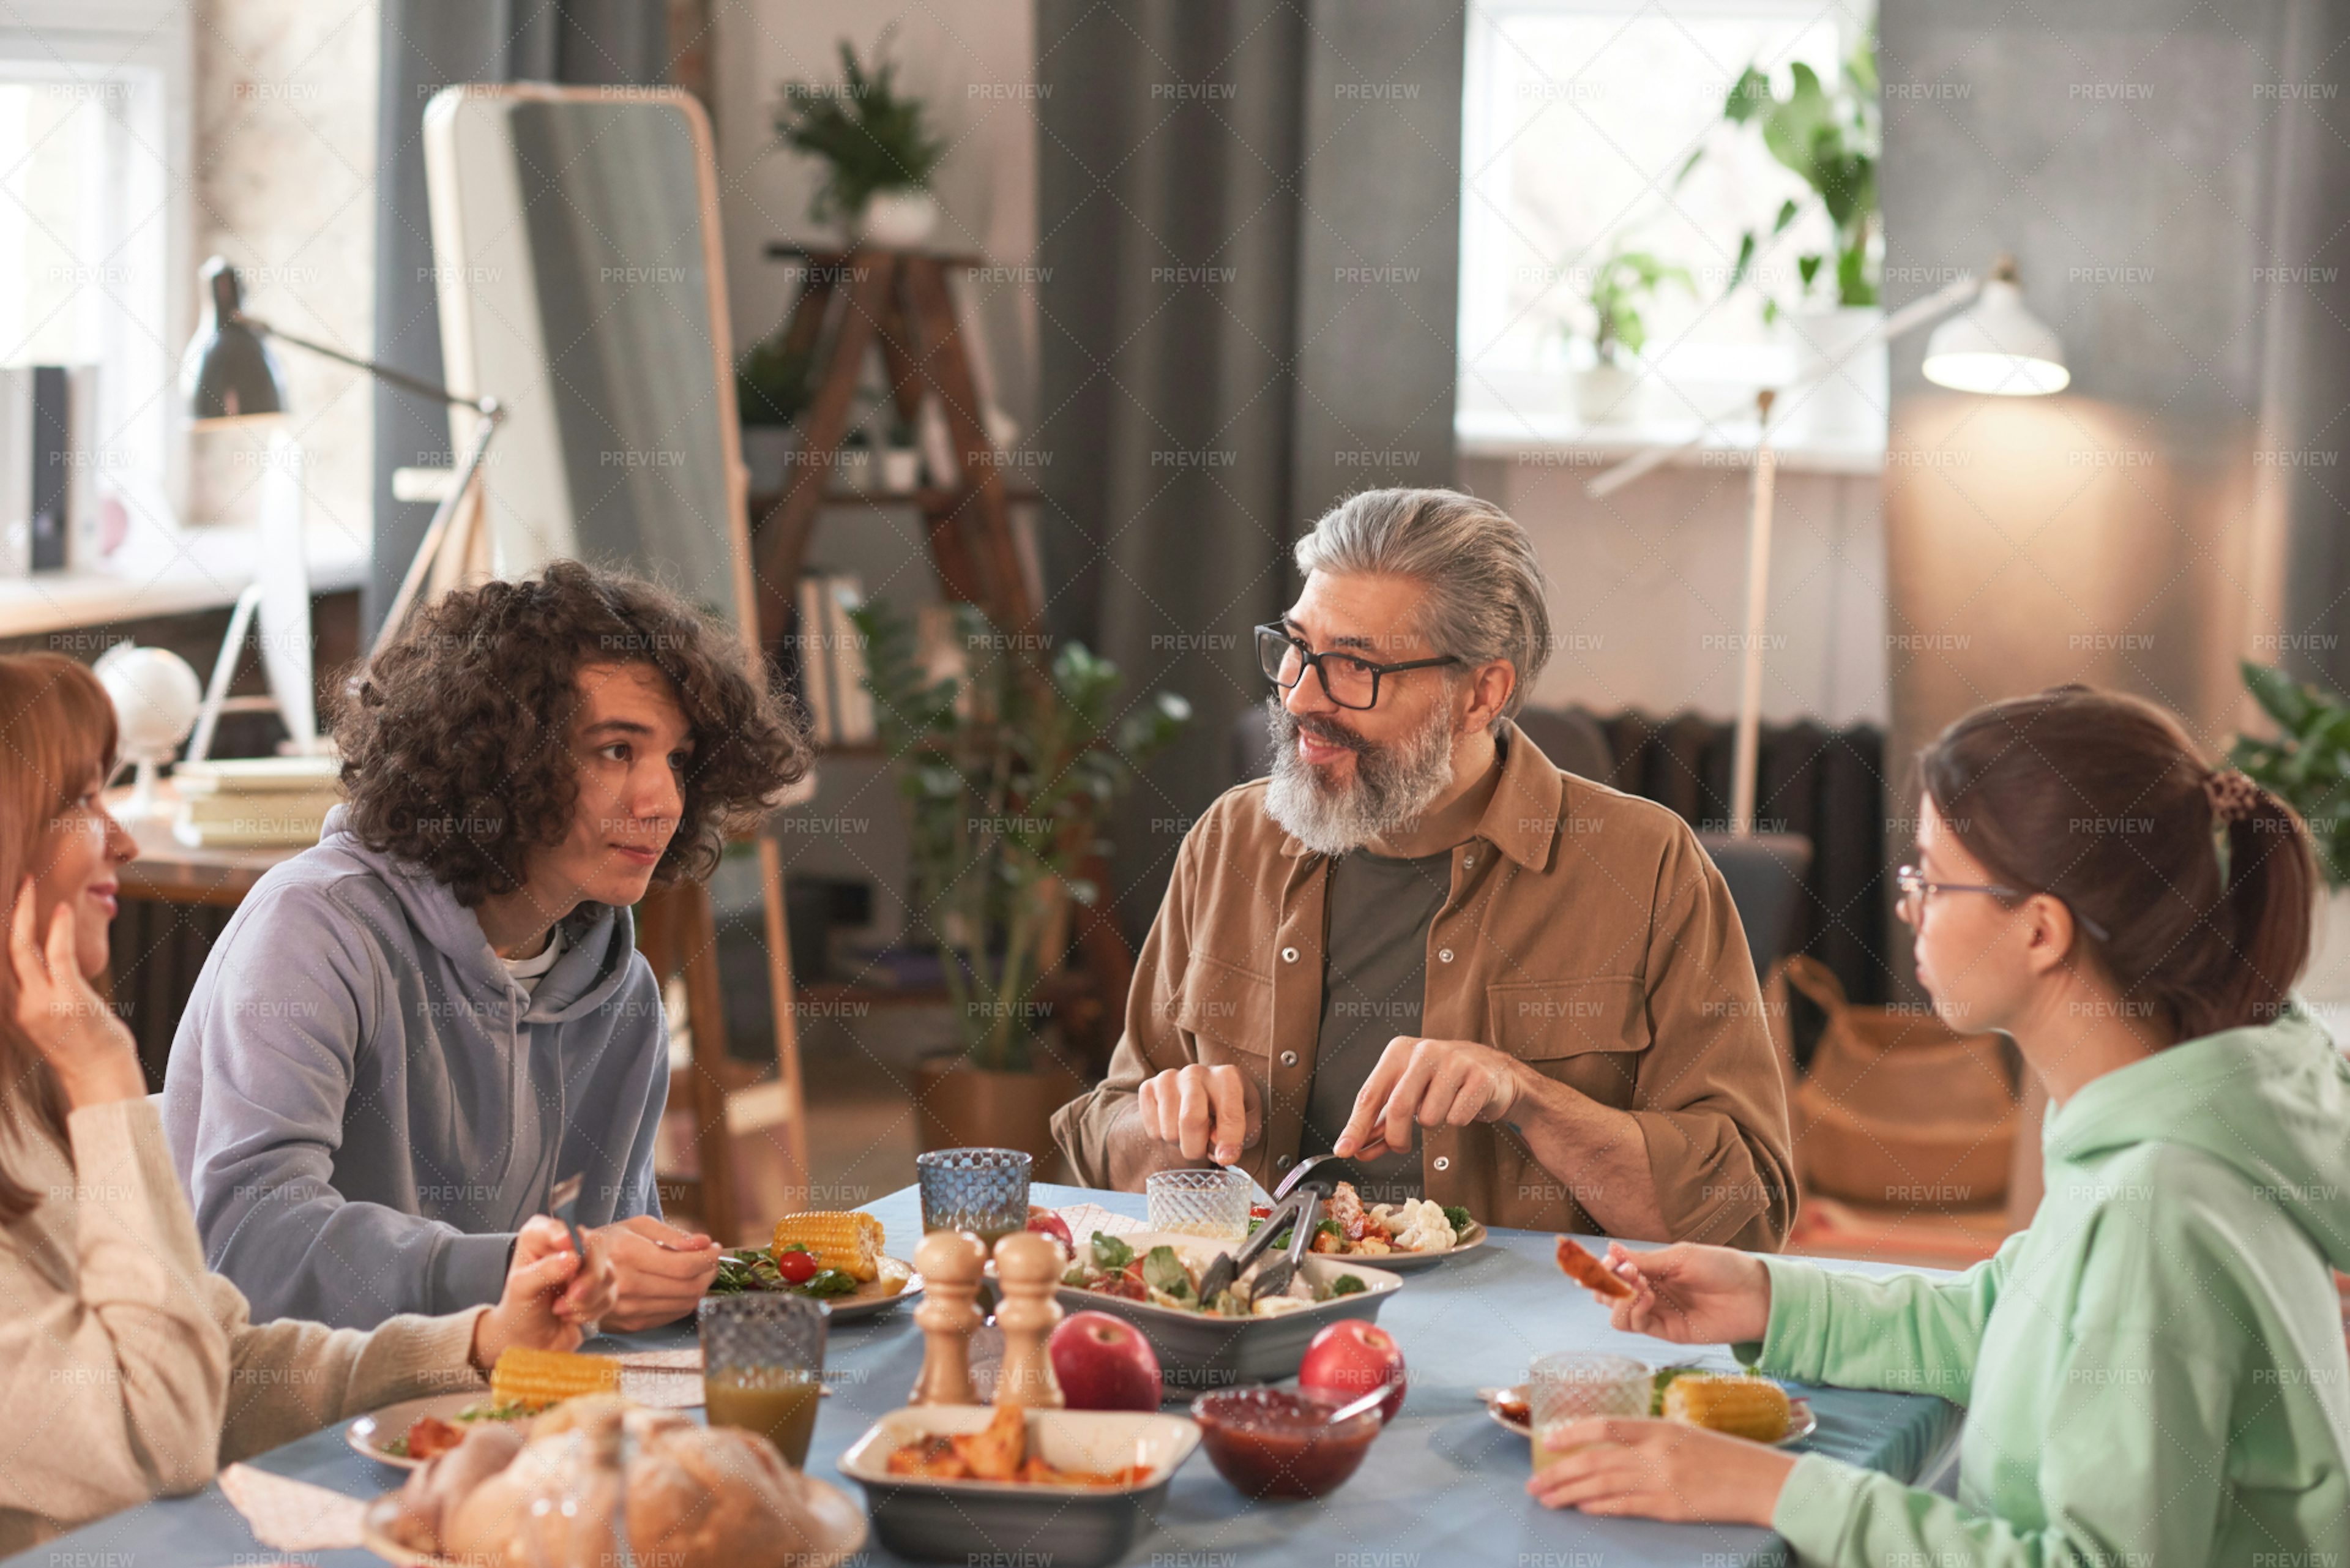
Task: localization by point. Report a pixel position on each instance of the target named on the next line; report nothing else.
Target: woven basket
(1897, 1108)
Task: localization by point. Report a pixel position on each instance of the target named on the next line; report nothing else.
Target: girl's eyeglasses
(1914, 889)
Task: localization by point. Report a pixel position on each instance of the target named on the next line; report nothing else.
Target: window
(1580, 117)
(92, 216)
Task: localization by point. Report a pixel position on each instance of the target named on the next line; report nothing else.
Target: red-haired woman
(2154, 1371)
(127, 1369)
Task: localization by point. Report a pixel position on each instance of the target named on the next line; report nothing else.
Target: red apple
(1351, 1358)
(1043, 1219)
(1103, 1363)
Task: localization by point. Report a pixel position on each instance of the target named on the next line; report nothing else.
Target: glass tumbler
(763, 1366)
(983, 1191)
(1567, 1386)
(1211, 1203)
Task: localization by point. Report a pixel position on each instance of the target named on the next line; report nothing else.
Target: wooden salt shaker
(950, 1262)
(1027, 1266)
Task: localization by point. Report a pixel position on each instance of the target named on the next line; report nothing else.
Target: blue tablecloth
(1442, 1485)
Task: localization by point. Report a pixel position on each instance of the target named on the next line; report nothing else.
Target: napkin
(1083, 1218)
(664, 1379)
(289, 1515)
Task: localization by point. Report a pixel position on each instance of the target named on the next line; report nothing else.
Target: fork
(563, 1204)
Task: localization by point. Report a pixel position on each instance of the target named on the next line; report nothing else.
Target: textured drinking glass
(978, 1189)
(1567, 1386)
(1210, 1203)
(763, 1366)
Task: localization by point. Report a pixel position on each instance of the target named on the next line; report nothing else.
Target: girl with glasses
(2154, 1372)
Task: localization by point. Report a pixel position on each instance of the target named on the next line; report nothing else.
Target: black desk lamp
(229, 374)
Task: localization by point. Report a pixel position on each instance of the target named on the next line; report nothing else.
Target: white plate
(366, 1434)
(1800, 1421)
(865, 1301)
(833, 1512)
(1409, 1262)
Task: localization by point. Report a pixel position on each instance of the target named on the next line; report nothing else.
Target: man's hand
(1208, 1112)
(663, 1271)
(1646, 1469)
(1433, 1084)
(550, 1303)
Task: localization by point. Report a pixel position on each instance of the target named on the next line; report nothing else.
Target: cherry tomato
(798, 1268)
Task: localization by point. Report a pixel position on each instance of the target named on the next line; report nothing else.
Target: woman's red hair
(57, 743)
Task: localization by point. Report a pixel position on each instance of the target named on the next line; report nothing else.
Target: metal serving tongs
(1287, 1203)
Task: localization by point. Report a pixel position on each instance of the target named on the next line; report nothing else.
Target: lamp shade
(228, 372)
(1997, 346)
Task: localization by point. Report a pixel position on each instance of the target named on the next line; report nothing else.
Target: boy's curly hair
(456, 745)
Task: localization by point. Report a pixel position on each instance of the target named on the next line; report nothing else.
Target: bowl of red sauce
(1281, 1442)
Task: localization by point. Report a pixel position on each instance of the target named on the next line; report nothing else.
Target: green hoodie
(2154, 1372)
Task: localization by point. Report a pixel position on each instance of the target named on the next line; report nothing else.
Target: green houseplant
(2308, 764)
(876, 144)
(1008, 762)
(1621, 287)
(1830, 139)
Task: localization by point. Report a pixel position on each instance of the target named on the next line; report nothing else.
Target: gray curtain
(428, 44)
(2305, 395)
(1249, 221)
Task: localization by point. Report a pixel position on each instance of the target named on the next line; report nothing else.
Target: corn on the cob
(540, 1378)
(1743, 1406)
(849, 1242)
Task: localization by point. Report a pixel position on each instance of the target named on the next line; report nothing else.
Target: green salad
(755, 1268)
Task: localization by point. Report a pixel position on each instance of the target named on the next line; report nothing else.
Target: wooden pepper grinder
(1027, 1266)
(950, 1262)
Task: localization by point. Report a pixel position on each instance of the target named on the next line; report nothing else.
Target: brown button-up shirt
(1587, 934)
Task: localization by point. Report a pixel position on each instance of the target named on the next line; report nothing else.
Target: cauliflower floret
(1419, 1225)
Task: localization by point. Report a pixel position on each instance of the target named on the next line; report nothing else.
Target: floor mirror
(581, 284)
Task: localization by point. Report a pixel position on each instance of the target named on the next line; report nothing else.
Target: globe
(156, 698)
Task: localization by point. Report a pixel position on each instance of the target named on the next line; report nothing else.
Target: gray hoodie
(364, 1105)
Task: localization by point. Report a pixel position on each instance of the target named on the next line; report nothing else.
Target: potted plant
(2308, 767)
(771, 389)
(877, 147)
(1831, 140)
(1620, 286)
(1007, 763)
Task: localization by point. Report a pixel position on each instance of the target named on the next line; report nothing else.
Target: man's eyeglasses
(1351, 682)
(1914, 889)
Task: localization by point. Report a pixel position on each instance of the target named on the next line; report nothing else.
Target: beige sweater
(129, 1370)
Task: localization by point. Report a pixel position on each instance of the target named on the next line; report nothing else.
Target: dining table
(1443, 1484)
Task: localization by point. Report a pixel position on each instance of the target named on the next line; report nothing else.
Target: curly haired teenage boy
(408, 1034)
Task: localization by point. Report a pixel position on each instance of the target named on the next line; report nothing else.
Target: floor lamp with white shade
(1994, 346)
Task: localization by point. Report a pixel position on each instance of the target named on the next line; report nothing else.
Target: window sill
(1556, 438)
(204, 569)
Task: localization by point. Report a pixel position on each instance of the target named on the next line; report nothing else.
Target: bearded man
(1420, 946)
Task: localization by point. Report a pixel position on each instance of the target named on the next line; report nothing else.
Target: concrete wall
(1649, 588)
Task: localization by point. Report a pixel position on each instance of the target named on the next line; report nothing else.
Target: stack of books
(256, 803)
(832, 661)
(48, 505)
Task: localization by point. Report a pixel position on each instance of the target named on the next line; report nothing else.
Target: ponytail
(2271, 878)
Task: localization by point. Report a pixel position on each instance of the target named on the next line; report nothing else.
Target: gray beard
(1391, 787)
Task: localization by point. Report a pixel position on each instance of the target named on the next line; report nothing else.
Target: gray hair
(1486, 596)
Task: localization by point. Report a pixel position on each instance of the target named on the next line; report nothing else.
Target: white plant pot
(901, 469)
(1846, 403)
(1605, 394)
(898, 220)
(767, 452)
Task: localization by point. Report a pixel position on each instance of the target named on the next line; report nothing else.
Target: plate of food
(524, 1383)
(1742, 1404)
(1398, 1237)
(1151, 1279)
(698, 1497)
(1076, 1487)
(833, 1257)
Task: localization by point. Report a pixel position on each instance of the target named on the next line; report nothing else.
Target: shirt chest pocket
(1228, 1011)
(1586, 1033)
